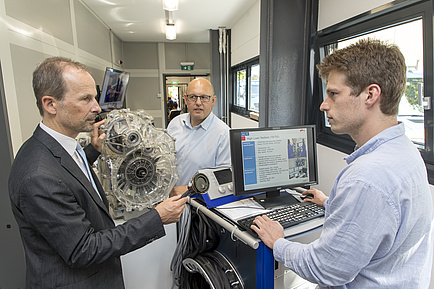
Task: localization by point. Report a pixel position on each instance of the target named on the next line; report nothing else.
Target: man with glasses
(202, 139)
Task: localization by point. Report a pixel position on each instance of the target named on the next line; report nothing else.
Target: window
(240, 93)
(246, 88)
(408, 37)
(254, 88)
(410, 28)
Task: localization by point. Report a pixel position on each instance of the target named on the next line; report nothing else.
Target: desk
(253, 260)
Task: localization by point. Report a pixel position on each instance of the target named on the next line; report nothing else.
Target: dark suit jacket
(69, 238)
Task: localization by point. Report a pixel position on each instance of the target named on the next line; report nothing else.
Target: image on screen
(297, 158)
(270, 159)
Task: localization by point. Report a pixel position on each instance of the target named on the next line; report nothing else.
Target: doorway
(175, 89)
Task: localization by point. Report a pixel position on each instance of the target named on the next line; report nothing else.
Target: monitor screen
(267, 160)
(114, 89)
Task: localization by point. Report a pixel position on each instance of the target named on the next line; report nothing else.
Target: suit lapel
(71, 166)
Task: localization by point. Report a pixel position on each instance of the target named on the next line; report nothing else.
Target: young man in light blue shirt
(378, 224)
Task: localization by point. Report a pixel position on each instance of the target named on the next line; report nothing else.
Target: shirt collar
(68, 143)
(384, 136)
(204, 124)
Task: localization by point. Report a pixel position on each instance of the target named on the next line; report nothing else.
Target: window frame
(365, 23)
(243, 111)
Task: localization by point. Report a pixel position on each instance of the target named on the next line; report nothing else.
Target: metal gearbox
(137, 166)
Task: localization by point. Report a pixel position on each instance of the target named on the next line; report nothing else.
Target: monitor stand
(274, 199)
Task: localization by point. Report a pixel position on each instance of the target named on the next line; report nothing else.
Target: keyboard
(288, 216)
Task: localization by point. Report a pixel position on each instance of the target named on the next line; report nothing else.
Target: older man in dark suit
(69, 238)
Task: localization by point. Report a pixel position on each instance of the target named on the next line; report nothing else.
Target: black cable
(218, 272)
(222, 270)
(198, 238)
(183, 236)
(203, 237)
(197, 234)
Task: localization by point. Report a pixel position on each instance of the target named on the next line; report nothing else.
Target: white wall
(238, 121)
(245, 36)
(330, 163)
(334, 11)
(45, 28)
(245, 45)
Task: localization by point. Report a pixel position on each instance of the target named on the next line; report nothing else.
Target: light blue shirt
(203, 146)
(378, 227)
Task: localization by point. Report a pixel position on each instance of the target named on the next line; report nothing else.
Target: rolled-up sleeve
(351, 236)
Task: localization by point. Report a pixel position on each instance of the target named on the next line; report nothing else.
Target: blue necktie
(86, 170)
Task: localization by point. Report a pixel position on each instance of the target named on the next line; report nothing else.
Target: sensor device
(199, 184)
(218, 183)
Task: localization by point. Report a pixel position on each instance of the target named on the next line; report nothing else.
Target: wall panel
(39, 14)
(199, 53)
(245, 36)
(142, 93)
(334, 11)
(97, 74)
(92, 35)
(140, 55)
(24, 62)
(174, 54)
(117, 45)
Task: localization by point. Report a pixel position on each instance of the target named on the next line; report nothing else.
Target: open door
(175, 89)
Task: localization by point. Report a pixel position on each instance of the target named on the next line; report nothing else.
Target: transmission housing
(137, 166)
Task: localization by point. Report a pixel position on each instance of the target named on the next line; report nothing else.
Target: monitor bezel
(237, 164)
(121, 101)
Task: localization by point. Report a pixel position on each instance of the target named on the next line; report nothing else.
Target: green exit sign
(187, 67)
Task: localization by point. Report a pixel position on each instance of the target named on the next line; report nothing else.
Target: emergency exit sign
(187, 67)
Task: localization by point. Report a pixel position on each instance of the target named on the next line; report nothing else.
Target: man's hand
(178, 191)
(269, 231)
(171, 209)
(318, 196)
(96, 137)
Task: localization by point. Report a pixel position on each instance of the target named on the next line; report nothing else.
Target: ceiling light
(170, 31)
(170, 5)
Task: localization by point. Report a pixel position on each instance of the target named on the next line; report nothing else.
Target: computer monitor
(114, 89)
(267, 160)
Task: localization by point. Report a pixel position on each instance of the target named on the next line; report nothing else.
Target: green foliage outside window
(412, 93)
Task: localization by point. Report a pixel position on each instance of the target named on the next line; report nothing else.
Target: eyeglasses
(203, 98)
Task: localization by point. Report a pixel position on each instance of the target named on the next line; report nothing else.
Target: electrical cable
(183, 234)
(196, 235)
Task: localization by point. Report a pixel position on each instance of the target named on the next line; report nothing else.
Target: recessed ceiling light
(170, 31)
(170, 5)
